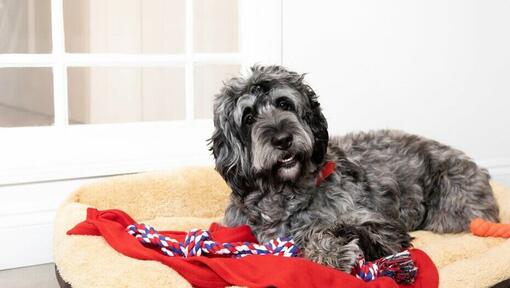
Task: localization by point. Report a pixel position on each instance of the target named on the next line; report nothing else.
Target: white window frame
(63, 151)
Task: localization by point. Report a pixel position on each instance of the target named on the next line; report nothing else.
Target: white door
(90, 88)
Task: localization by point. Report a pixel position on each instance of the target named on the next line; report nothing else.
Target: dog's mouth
(288, 166)
(287, 160)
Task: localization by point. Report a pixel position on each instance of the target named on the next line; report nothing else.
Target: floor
(39, 276)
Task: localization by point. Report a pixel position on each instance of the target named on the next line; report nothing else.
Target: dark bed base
(64, 284)
(503, 284)
(61, 282)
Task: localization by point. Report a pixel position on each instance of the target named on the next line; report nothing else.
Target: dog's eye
(248, 119)
(284, 104)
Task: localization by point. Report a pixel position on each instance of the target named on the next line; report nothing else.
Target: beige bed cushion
(194, 197)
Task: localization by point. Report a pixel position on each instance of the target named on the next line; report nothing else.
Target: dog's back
(436, 187)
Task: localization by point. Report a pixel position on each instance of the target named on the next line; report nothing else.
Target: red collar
(325, 172)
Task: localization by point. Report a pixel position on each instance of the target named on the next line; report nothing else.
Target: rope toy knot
(398, 266)
(198, 242)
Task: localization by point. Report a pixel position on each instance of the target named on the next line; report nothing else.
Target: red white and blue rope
(198, 242)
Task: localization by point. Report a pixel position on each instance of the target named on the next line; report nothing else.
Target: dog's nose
(282, 140)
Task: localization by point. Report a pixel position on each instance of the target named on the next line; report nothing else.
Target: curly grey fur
(386, 183)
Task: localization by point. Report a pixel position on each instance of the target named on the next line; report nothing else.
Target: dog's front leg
(323, 245)
(363, 233)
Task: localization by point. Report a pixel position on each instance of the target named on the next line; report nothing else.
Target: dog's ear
(231, 156)
(318, 125)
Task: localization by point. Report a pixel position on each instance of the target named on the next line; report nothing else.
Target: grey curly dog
(270, 143)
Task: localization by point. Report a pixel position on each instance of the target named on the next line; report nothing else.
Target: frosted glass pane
(26, 97)
(125, 94)
(208, 82)
(124, 26)
(25, 26)
(216, 26)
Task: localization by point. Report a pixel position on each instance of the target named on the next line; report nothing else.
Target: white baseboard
(499, 170)
(27, 213)
(502, 179)
(26, 245)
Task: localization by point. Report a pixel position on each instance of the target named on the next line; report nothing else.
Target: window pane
(124, 26)
(216, 26)
(26, 97)
(120, 94)
(25, 26)
(208, 82)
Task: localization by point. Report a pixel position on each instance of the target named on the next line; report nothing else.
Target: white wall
(438, 68)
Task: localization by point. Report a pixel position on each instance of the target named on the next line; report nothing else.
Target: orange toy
(484, 228)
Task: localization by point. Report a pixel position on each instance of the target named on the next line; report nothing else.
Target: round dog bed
(193, 198)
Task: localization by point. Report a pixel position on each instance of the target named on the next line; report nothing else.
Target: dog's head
(268, 125)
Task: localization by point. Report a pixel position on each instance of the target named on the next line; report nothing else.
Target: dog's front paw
(327, 248)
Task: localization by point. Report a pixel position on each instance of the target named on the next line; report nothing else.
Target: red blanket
(251, 271)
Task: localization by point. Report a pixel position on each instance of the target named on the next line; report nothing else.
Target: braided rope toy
(198, 242)
(484, 228)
